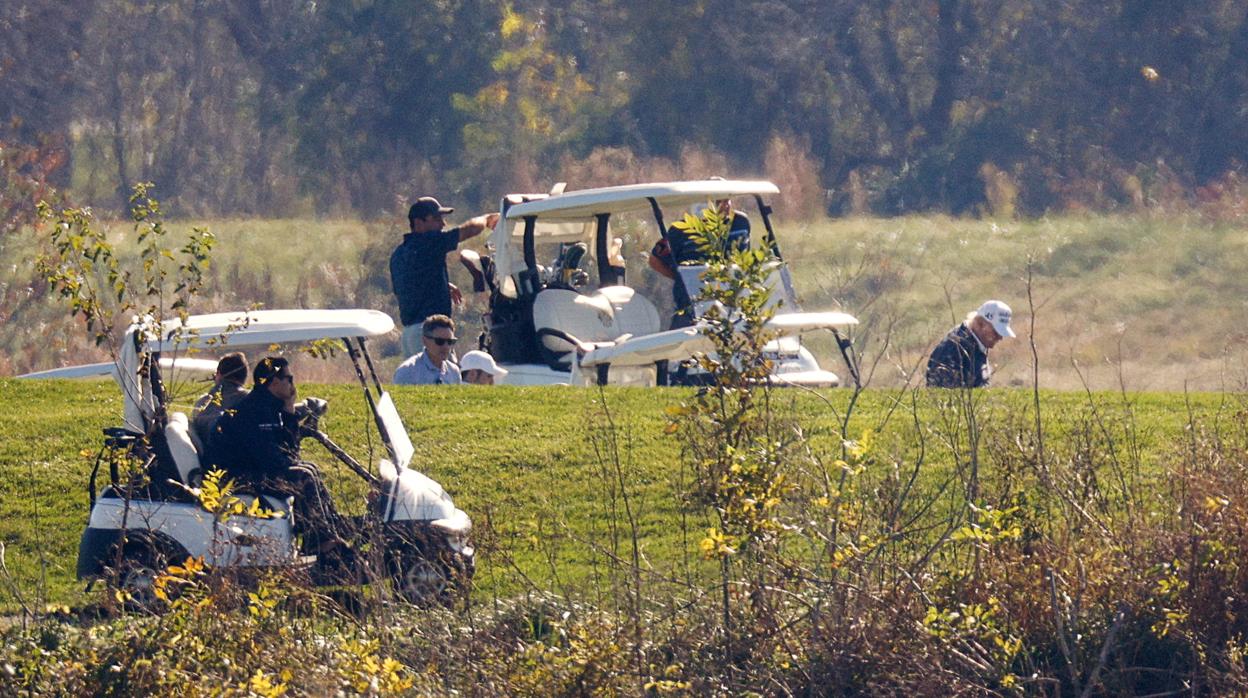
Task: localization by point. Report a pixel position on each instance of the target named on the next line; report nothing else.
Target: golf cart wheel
(136, 576)
(426, 581)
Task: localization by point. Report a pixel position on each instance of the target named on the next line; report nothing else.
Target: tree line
(287, 107)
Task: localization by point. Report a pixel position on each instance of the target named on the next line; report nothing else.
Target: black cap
(426, 206)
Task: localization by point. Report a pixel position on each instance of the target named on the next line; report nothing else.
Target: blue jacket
(418, 275)
(958, 361)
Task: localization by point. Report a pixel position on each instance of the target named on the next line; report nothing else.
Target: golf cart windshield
(396, 434)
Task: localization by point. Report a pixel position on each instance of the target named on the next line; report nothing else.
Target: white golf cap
(481, 361)
(999, 315)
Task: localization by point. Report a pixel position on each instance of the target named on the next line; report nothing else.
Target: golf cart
(142, 522)
(553, 325)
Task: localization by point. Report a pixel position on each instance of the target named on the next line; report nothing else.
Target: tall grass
(1149, 300)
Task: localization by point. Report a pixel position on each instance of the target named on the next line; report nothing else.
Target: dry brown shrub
(790, 164)
(1167, 192)
(606, 167)
(1224, 199)
(1000, 190)
(1131, 188)
(859, 196)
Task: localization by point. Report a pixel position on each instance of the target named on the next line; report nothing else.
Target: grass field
(530, 465)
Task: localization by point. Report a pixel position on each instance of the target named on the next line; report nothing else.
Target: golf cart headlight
(456, 530)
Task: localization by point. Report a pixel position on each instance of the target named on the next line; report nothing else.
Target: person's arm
(396, 272)
(739, 231)
(661, 267)
(944, 367)
(279, 449)
(660, 256)
(980, 372)
(475, 226)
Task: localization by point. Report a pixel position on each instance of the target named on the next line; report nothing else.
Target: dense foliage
(289, 106)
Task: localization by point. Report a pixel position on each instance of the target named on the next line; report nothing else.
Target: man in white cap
(961, 358)
(478, 367)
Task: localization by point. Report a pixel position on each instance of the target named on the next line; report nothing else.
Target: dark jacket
(677, 248)
(257, 440)
(210, 406)
(419, 277)
(958, 361)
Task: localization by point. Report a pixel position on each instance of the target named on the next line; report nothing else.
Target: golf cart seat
(633, 313)
(608, 315)
(182, 448)
(562, 318)
(781, 299)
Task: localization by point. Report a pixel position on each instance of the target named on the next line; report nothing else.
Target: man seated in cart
(677, 248)
(257, 444)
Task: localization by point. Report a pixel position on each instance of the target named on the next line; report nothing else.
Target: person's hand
(491, 220)
(457, 296)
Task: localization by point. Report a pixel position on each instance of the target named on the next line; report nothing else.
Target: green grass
(522, 462)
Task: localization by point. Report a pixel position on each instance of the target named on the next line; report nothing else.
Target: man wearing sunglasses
(434, 365)
(418, 266)
(257, 444)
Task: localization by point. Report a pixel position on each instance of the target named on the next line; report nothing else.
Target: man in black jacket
(257, 444)
(677, 248)
(961, 358)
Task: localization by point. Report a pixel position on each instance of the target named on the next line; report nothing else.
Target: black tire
(135, 575)
(428, 580)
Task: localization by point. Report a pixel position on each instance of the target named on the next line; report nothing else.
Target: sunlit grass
(521, 461)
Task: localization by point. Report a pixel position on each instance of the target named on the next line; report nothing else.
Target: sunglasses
(284, 377)
(442, 341)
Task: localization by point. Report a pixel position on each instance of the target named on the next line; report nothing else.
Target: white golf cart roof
(574, 216)
(585, 204)
(248, 328)
(243, 328)
(108, 368)
(228, 330)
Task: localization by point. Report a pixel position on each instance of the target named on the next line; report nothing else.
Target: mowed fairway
(535, 470)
